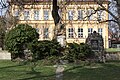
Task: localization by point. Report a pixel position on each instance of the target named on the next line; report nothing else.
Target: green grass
(13, 71)
(107, 71)
(98, 71)
(113, 50)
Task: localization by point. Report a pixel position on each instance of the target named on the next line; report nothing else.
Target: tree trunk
(56, 18)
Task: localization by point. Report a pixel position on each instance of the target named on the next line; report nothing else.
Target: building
(80, 17)
(114, 40)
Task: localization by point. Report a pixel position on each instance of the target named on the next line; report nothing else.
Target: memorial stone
(95, 40)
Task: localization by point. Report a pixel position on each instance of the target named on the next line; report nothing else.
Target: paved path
(59, 72)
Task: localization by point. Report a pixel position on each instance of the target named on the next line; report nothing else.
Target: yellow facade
(75, 15)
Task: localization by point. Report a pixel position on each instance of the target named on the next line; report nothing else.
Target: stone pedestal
(61, 40)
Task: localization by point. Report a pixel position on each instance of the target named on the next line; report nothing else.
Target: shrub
(72, 51)
(45, 49)
(76, 51)
(17, 39)
(2, 35)
(86, 51)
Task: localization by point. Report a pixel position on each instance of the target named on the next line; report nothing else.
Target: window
(60, 12)
(80, 14)
(100, 31)
(46, 14)
(99, 14)
(26, 15)
(90, 30)
(70, 15)
(80, 32)
(70, 33)
(90, 14)
(36, 15)
(46, 33)
(16, 14)
(118, 46)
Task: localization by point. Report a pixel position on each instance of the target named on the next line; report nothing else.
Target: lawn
(14, 71)
(18, 71)
(112, 50)
(107, 71)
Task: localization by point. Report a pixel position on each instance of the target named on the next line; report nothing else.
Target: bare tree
(116, 18)
(58, 21)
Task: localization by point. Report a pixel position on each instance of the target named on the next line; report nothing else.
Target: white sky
(2, 11)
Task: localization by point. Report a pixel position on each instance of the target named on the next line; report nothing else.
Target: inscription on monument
(94, 44)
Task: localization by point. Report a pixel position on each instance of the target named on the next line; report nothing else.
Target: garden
(37, 60)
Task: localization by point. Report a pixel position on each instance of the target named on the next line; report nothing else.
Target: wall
(4, 55)
(112, 56)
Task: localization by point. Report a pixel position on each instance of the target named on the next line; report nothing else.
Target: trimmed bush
(45, 49)
(76, 51)
(17, 39)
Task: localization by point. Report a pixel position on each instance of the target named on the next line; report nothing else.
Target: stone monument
(95, 40)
